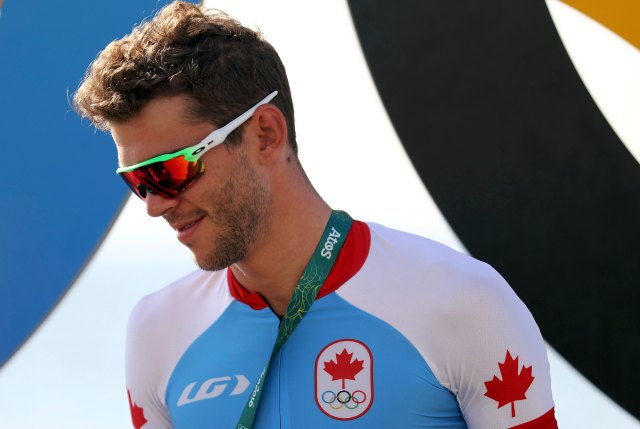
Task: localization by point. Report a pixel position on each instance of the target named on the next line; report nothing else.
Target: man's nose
(158, 205)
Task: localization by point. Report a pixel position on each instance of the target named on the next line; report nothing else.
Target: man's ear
(270, 127)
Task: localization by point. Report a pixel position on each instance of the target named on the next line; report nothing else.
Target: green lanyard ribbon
(303, 297)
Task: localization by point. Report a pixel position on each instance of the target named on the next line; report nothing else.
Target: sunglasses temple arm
(222, 133)
(226, 130)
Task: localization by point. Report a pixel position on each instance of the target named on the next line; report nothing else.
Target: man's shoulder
(411, 245)
(415, 272)
(458, 312)
(183, 296)
(418, 255)
(163, 324)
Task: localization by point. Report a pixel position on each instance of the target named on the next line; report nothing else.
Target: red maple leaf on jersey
(343, 368)
(512, 387)
(137, 413)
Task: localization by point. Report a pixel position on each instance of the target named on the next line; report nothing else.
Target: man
(299, 317)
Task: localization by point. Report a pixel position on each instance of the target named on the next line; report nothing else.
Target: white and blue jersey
(405, 333)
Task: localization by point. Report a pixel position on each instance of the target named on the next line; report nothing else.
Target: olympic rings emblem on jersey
(344, 379)
(344, 398)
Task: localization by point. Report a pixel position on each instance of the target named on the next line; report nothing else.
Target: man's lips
(186, 230)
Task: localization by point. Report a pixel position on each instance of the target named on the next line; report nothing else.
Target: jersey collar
(351, 258)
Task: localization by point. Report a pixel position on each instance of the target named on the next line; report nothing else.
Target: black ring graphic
(342, 400)
(522, 164)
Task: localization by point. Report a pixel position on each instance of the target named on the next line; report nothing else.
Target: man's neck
(276, 263)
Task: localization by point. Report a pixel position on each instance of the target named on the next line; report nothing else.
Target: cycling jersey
(404, 333)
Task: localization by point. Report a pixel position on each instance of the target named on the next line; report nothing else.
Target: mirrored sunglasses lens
(172, 176)
(132, 184)
(167, 178)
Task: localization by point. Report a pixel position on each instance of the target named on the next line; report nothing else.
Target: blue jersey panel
(212, 381)
(387, 383)
(342, 367)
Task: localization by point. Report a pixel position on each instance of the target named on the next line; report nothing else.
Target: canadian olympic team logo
(344, 379)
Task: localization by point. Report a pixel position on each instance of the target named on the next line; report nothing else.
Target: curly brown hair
(222, 66)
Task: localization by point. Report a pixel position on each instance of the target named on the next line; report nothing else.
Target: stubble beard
(240, 212)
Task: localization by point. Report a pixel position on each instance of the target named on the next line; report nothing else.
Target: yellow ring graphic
(619, 16)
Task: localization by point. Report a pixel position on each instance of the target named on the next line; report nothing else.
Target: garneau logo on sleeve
(212, 388)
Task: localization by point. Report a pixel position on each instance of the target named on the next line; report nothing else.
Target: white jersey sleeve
(476, 335)
(161, 327)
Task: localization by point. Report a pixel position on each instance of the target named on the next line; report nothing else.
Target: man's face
(222, 214)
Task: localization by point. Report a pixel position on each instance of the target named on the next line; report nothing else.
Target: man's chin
(208, 263)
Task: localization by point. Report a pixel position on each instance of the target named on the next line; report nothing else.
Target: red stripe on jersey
(351, 258)
(545, 421)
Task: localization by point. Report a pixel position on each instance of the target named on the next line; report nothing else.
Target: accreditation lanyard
(304, 295)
